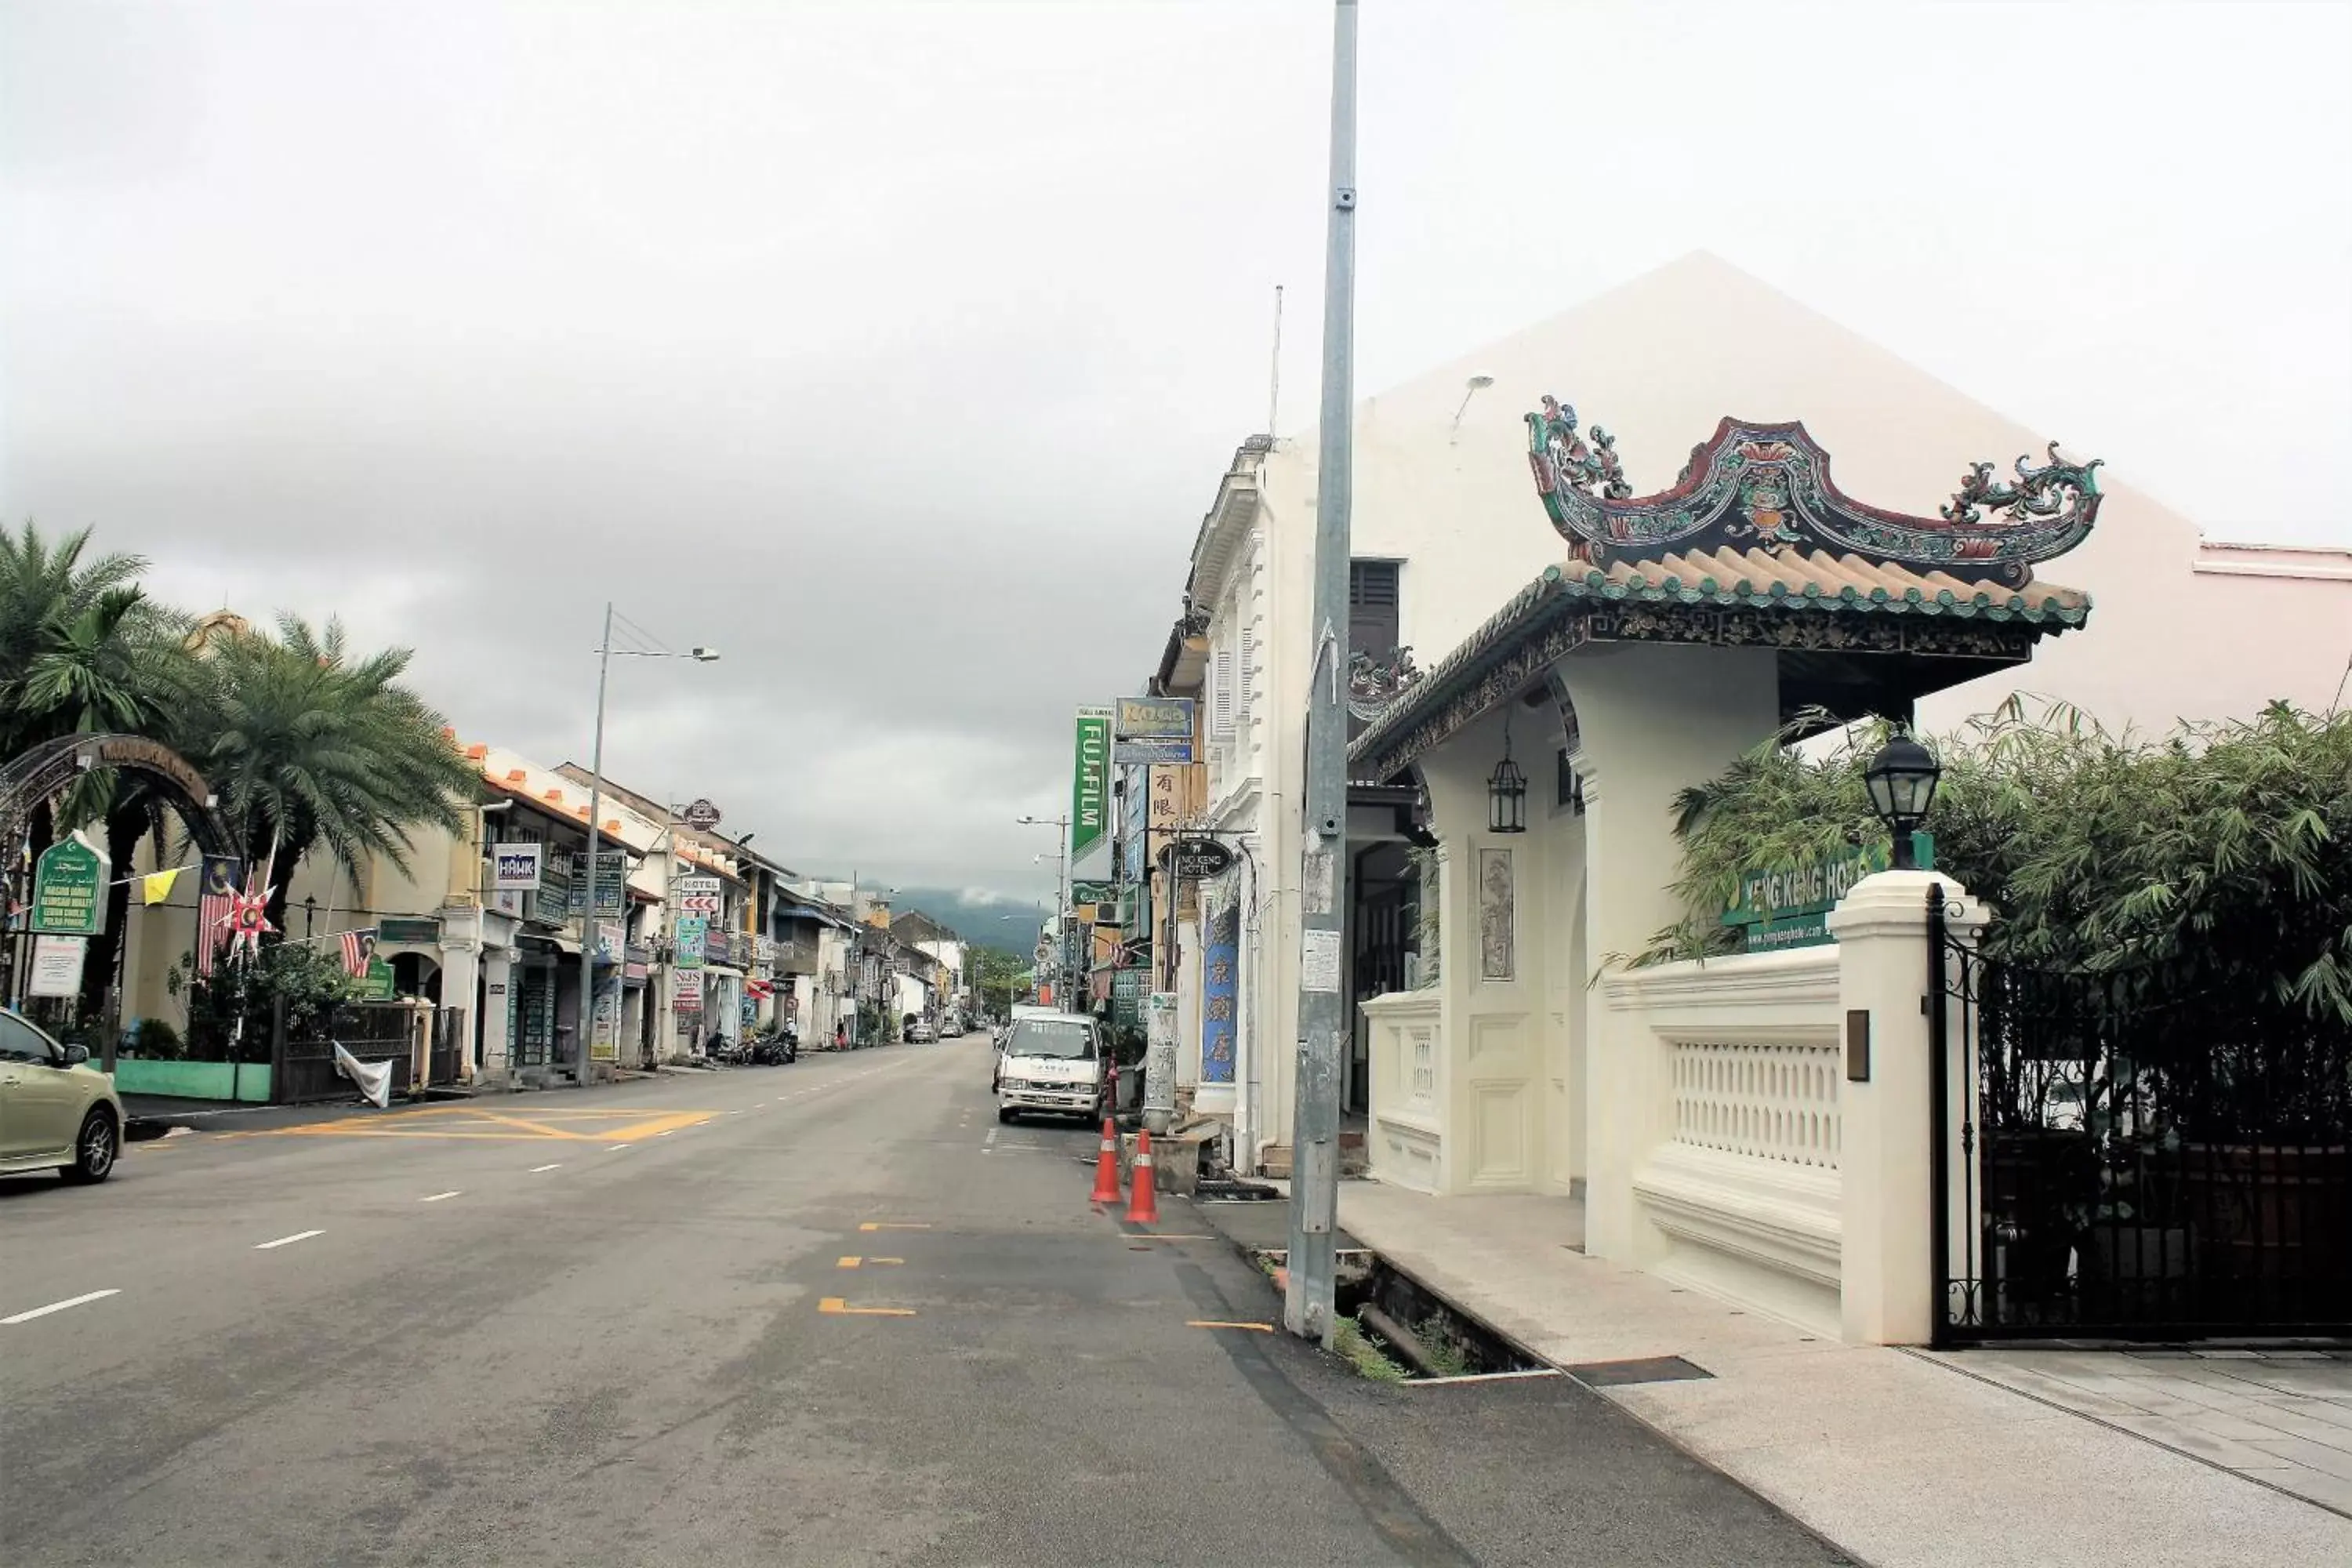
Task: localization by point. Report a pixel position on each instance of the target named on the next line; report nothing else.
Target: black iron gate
(371, 1032)
(445, 1063)
(2133, 1154)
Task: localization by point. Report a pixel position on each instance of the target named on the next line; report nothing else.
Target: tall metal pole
(587, 1028)
(1308, 1308)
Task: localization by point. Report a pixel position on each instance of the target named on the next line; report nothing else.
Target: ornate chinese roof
(1768, 485)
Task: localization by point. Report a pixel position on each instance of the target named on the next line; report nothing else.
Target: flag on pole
(156, 886)
(219, 896)
(358, 947)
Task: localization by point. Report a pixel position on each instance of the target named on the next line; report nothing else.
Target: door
(40, 1102)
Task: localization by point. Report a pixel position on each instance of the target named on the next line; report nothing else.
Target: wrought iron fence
(2139, 1153)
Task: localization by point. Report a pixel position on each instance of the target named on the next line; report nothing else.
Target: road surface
(828, 1314)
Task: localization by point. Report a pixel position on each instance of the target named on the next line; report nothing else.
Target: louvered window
(1372, 607)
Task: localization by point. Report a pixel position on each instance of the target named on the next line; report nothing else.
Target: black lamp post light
(1506, 792)
(1902, 781)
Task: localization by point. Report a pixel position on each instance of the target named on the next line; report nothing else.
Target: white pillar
(1885, 1157)
(498, 1002)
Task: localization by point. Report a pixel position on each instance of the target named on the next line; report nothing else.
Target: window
(1571, 788)
(1371, 607)
(20, 1042)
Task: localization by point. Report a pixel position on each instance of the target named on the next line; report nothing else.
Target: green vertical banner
(1090, 838)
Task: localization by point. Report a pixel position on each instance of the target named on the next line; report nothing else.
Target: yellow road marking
(881, 1262)
(836, 1305)
(461, 1122)
(892, 1225)
(1153, 1236)
(849, 1263)
(1253, 1328)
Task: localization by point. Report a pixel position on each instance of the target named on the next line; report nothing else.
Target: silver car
(56, 1112)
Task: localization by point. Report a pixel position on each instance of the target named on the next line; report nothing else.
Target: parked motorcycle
(771, 1048)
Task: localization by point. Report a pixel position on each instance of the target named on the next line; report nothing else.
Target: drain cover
(1649, 1369)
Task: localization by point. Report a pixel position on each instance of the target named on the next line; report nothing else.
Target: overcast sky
(896, 349)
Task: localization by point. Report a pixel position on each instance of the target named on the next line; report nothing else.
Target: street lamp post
(587, 1027)
(1062, 907)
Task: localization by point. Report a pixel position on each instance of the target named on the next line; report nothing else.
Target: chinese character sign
(1218, 998)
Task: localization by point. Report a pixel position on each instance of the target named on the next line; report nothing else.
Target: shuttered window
(1372, 607)
(1246, 681)
(1221, 695)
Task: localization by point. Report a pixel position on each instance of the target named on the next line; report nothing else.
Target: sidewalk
(1900, 1457)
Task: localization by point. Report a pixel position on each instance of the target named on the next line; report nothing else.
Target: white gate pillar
(1886, 1157)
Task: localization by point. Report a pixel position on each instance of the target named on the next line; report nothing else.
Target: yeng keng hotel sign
(1789, 906)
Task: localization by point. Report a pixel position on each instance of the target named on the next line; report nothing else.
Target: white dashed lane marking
(287, 1240)
(60, 1306)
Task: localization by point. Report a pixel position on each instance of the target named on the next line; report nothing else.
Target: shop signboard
(1126, 998)
(692, 931)
(1152, 730)
(699, 895)
(612, 884)
(515, 867)
(1090, 833)
(68, 889)
(1191, 859)
(605, 1044)
(686, 990)
(378, 984)
(1219, 997)
(702, 816)
(414, 931)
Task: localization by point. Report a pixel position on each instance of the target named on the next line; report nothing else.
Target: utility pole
(1308, 1308)
(588, 904)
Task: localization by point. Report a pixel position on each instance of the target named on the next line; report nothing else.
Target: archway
(34, 779)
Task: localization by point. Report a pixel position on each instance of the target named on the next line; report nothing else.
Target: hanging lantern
(1506, 792)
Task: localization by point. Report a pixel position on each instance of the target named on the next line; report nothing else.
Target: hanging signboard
(515, 867)
(686, 990)
(1191, 859)
(1148, 730)
(692, 931)
(68, 888)
(699, 895)
(1789, 906)
(702, 816)
(56, 965)
(1091, 795)
(612, 883)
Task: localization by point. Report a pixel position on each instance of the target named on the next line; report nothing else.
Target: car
(919, 1032)
(1056, 1064)
(56, 1112)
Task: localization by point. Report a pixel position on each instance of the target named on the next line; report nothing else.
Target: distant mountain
(976, 916)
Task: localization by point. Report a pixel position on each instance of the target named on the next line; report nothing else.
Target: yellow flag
(156, 887)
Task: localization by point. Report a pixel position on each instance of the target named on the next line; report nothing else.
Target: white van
(1052, 1062)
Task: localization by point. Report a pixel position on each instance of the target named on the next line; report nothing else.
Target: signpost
(68, 889)
(56, 965)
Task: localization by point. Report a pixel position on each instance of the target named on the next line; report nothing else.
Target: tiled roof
(1788, 581)
(1762, 577)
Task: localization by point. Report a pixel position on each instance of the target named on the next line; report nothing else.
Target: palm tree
(49, 596)
(307, 745)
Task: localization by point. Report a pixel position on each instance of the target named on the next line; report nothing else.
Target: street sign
(1191, 859)
(700, 895)
(702, 816)
(68, 885)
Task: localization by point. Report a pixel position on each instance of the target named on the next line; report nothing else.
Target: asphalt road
(829, 1314)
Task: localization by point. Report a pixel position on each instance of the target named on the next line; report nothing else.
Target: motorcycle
(773, 1049)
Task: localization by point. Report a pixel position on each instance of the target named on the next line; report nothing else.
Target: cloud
(895, 348)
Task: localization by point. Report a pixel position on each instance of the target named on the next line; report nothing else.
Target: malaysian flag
(213, 909)
(358, 947)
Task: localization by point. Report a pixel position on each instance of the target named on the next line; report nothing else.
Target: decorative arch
(47, 770)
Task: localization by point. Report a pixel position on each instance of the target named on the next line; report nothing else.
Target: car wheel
(95, 1147)
(1005, 1113)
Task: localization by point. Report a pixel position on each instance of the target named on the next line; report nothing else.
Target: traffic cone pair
(1106, 1166)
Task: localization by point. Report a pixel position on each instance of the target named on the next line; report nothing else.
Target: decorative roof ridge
(1457, 669)
(1769, 483)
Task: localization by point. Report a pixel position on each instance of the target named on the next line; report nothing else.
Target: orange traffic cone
(1106, 1166)
(1143, 1190)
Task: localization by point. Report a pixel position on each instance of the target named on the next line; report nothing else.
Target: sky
(896, 350)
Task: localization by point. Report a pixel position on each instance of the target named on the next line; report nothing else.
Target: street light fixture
(1902, 782)
(1062, 892)
(585, 1028)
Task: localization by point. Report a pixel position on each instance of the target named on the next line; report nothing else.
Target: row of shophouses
(499, 967)
(1620, 634)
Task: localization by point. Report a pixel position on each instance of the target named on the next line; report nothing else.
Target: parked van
(1053, 1062)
